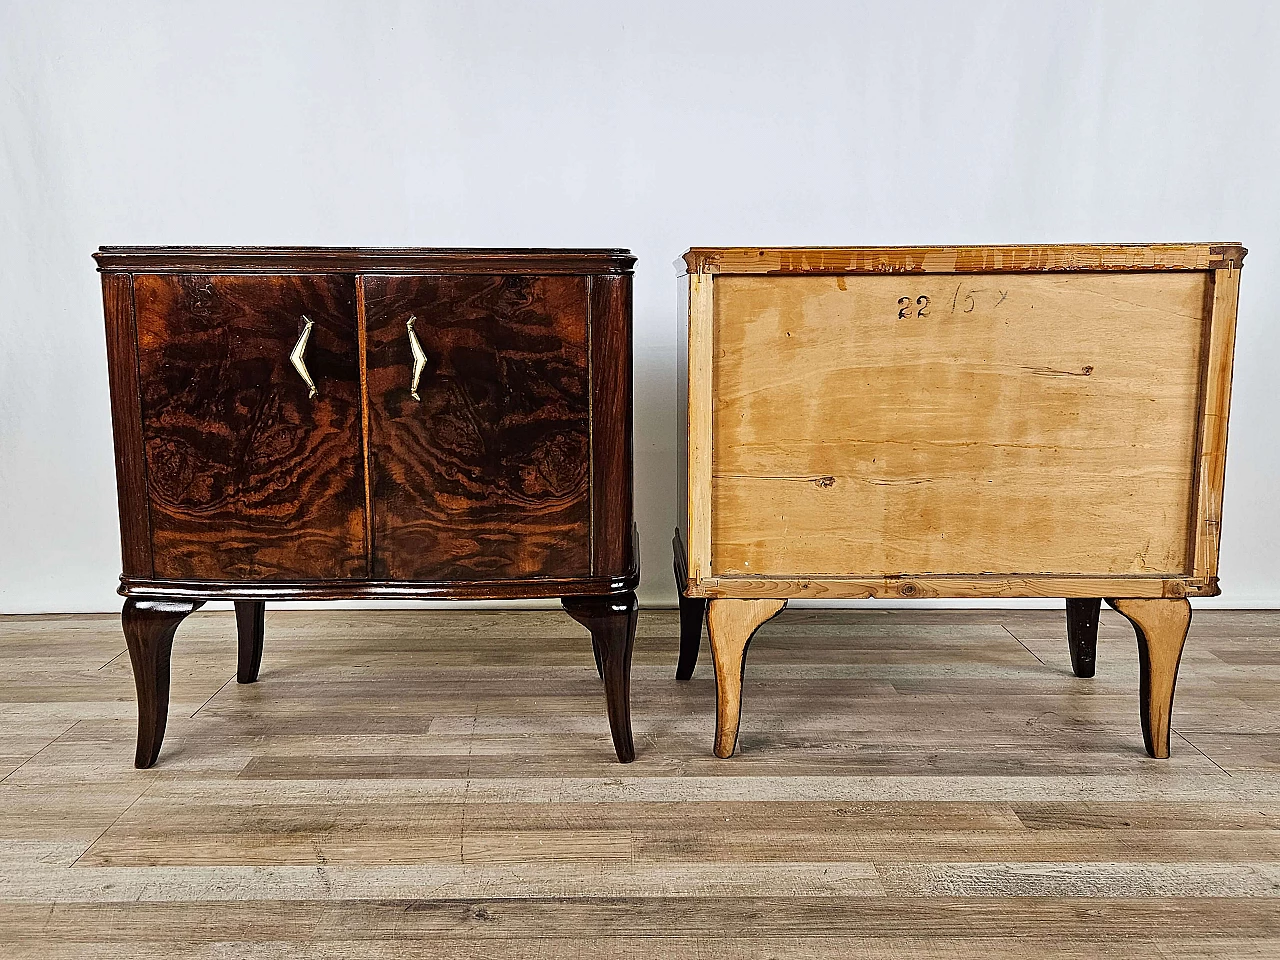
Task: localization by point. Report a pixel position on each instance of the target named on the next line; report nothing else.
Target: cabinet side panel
(1212, 452)
(611, 426)
(702, 440)
(955, 425)
(682, 408)
(126, 420)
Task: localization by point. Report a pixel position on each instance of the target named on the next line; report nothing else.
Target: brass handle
(419, 359)
(298, 357)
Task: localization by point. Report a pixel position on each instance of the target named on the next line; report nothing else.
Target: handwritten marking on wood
(971, 425)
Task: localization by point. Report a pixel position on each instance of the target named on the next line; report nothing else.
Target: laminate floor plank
(568, 918)
(403, 783)
(676, 948)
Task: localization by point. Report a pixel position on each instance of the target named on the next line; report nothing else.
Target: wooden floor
(911, 784)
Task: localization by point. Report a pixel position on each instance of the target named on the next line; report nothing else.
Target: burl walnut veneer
(311, 423)
(908, 422)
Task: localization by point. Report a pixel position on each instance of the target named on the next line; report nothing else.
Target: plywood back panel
(955, 424)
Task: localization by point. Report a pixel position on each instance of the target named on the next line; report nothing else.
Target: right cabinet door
(479, 426)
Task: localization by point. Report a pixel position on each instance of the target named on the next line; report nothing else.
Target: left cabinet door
(249, 475)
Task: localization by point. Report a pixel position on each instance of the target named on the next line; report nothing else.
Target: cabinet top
(362, 260)
(1025, 258)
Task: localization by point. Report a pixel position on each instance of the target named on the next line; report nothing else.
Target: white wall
(653, 126)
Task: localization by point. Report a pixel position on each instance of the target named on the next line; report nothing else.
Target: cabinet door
(485, 474)
(248, 476)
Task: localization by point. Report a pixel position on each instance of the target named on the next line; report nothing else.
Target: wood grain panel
(1223, 297)
(1024, 258)
(611, 432)
(955, 425)
(126, 417)
(487, 477)
(362, 260)
(700, 404)
(248, 478)
(923, 587)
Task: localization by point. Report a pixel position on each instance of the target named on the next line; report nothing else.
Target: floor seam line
(1023, 645)
(1185, 739)
(145, 791)
(215, 693)
(40, 751)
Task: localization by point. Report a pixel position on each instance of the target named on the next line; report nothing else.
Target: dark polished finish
(248, 477)
(595, 650)
(126, 416)
(526, 589)
(250, 631)
(693, 613)
(149, 626)
(1082, 634)
(611, 454)
(487, 477)
(612, 622)
(535, 261)
(508, 476)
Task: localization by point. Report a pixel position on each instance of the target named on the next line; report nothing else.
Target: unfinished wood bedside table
(909, 422)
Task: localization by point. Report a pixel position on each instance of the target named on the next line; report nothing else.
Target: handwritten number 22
(905, 306)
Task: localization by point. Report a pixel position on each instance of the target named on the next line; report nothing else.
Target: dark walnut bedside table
(343, 424)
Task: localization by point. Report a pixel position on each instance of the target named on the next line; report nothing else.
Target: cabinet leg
(149, 626)
(595, 650)
(1161, 626)
(693, 611)
(732, 624)
(612, 622)
(250, 628)
(1082, 634)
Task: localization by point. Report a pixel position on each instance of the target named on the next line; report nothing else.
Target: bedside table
(342, 423)
(918, 422)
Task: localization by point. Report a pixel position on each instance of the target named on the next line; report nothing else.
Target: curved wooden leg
(1082, 634)
(1161, 626)
(732, 624)
(149, 626)
(250, 627)
(612, 622)
(595, 650)
(693, 611)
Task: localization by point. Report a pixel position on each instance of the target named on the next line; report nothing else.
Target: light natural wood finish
(1051, 429)
(1161, 626)
(930, 587)
(731, 625)
(699, 450)
(1034, 258)
(918, 784)
(682, 415)
(1212, 448)
(1122, 499)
